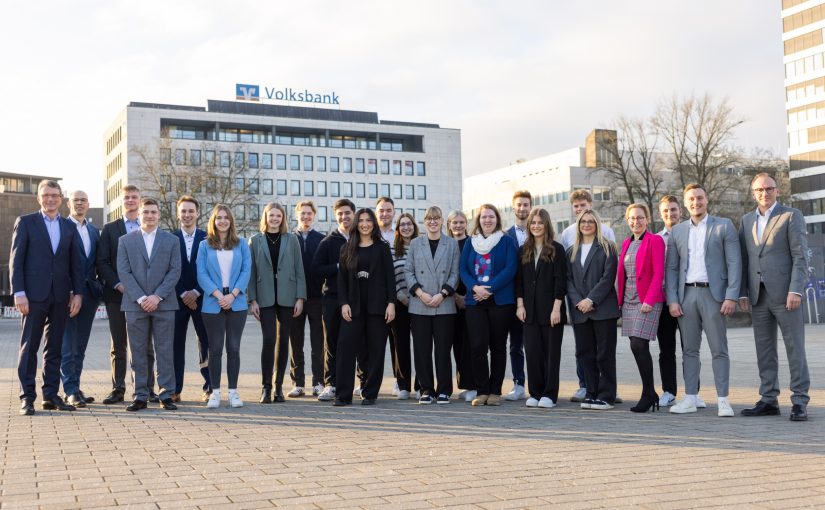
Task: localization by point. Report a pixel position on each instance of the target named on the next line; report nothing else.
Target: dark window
(180, 156)
(334, 189)
(226, 159)
(347, 190)
(308, 188)
(209, 158)
(294, 162)
(321, 163)
(195, 157)
(420, 168)
(360, 191)
(373, 190)
(347, 165)
(266, 161)
(409, 191)
(333, 164)
(422, 192)
(385, 166)
(239, 160)
(252, 186)
(359, 165)
(308, 163)
(280, 161)
(252, 159)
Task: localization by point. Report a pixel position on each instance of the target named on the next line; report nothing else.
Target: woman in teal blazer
(277, 291)
(224, 267)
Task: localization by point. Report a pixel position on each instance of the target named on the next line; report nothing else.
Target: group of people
(437, 296)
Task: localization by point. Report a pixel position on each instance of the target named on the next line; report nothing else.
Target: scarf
(483, 245)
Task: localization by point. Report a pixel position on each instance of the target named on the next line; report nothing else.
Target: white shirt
(188, 241)
(696, 271)
(149, 240)
(568, 235)
(762, 222)
(538, 254)
(585, 250)
(83, 229)
(521, 235)
(388, 235)
(225, 263)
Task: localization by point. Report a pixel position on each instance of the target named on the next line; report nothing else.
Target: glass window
(209, 158)
(252, 159)
(372, 166)
(195, 183)
(360, 190)
(225, 159)
(321, 188)
(322, 213)
(266, 161)
(336, 141)
(385, 166)
(280, 161)
(333, 164)
(180, 156)
(321, 163)
(294, 162)
(396, 191)
(300, 139)
(347, 190)
(409, 191)
(421, 214)
(308, 188)
(240, 212)
(347, 165)
(385, 190)
(267, 187)
(408, 168)
(239, 160)
(421, 192)
(281, 186)
(396, 167)
(334, 189)
(373, 187)
(165, 155)
(308, 163)
(295, 188)
(420, 168)
(195, 157)
(239, 184)
(254, 211)
(349, 142)
(252, 186)
(359, 165)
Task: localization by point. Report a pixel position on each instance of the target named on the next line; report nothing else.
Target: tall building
(248, 154)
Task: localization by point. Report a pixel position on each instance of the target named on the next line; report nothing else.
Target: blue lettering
(291, 95)
(334, 98)
(269, 92)
(327, 99)
(279, 95)
(318, 98)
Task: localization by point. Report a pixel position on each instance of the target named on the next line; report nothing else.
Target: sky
(521, 79)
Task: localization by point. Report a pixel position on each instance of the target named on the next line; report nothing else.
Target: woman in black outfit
(541, 284)
(457, 229)
(366, 294)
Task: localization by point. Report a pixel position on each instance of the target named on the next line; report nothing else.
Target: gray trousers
(224, 328)
(766, 317)
(146, 330)
(700, 312)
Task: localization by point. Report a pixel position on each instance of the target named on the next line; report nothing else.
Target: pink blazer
(650, 269)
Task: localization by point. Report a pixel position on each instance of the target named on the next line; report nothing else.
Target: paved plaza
(396, 454)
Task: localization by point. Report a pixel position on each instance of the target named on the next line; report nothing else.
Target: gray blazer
(723, 260)
(291, 279)
(145, 274)
(596, 280)
(782, 252)
(432, 273)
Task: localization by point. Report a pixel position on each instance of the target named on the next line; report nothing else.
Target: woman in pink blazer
(639, 283)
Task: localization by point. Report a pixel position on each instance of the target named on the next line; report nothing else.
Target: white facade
(291, 154)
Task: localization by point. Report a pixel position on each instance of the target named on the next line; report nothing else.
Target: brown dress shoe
(494, 400)
(176, 397)
(481, 400)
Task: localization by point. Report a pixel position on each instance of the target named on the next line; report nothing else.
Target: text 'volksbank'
(245, 92)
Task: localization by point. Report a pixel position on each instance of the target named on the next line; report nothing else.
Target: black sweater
(380, 284)
(325, 262)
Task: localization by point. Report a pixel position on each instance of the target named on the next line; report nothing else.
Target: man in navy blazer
(522, 203)
(46, 280)
(190, 296)
(79, 327)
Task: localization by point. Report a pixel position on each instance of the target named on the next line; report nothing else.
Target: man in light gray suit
(148, 264)
(704, 269)
(774, 272)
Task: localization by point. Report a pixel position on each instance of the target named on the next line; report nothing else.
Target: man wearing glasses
(774, 273)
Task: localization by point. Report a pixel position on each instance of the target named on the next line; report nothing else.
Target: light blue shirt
(53, 227)
(131, 226)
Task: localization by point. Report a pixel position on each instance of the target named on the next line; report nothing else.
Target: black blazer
(541, 285)
(92, 288)
(380, 287)
(308, 249)
(325, 261)
(596, 280)
(189, 268)
(107, 259)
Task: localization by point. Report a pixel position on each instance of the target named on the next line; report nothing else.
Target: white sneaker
(618, 399)
(395, 389)
(470, 395)
(700, 404)
(417, 394)
(547, 403)
(516, 393)
(531, 402)
(725, 410)
(235, 399)
(667, 399)
(327, 394)
(462, 394)
(356, 392)
(579, 395)
(317, 389)
(296, 392)
(214, 401)
(686, 405)
(403, 395)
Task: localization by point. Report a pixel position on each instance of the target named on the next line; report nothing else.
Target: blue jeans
(75, 340)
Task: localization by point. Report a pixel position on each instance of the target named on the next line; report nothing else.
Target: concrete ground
(305, 453)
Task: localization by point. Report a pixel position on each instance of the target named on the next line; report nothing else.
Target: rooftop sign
(247, 92)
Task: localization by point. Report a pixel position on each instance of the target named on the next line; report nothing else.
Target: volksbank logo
(244, 92)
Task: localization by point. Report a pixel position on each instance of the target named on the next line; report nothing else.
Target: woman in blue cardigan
(224, 266)
(488, 268)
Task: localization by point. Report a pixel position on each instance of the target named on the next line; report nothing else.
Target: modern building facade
(248, 154)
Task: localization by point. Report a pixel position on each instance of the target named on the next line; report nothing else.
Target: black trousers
(461, 352)
(364, 336)
(313, 312)
(430, 331)
(487, 327)
(182, 316)
(517, 351)
(275, 326)
(542, 345)
(332, 327)
(596, 353)
(400, 348)
(668, 325)
(119, 349)
(44, 316)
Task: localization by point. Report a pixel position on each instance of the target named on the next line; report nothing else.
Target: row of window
(806, 89)
(807, 160)
(804, 65)
(811, 207)
(806, 17)
(805, 136)
(114, 165)
(803, 42)
(787, 4)
(293, 162)
(114, 140)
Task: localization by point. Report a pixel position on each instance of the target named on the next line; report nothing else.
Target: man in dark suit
(148, 263)
(522, 203)
(47, 283)
(79, 327)
(309, 239)
(113, 291)
(774, 273)
(190, 296)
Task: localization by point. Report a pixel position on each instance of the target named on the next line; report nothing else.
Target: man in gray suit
(704, 268)
(148, 264)
(773, 238)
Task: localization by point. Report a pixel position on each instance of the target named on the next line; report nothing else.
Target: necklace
(276, 240)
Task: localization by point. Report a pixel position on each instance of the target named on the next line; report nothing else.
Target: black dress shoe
(168, 405)
(56, 403)
(368, 402)
(278, 396)
(799, 413)
(266, 396)
(114, 397)
(153, 397)
(761, 409)
(76, 400)
(339, 403)
(26, 408)
(89, 400)
(136, 405)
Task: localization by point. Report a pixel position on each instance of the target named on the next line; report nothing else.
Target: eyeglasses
(432, 220)
(764, 190)
(588, 222)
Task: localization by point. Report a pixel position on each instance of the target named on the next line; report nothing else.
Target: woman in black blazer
(594, 307)
(366, 294)
(541, 284)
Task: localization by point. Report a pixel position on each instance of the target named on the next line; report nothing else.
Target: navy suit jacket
(308, 249)
(189, 268)
(92, 288)
(37, 271)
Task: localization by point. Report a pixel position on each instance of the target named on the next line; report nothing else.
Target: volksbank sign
(246, 92)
